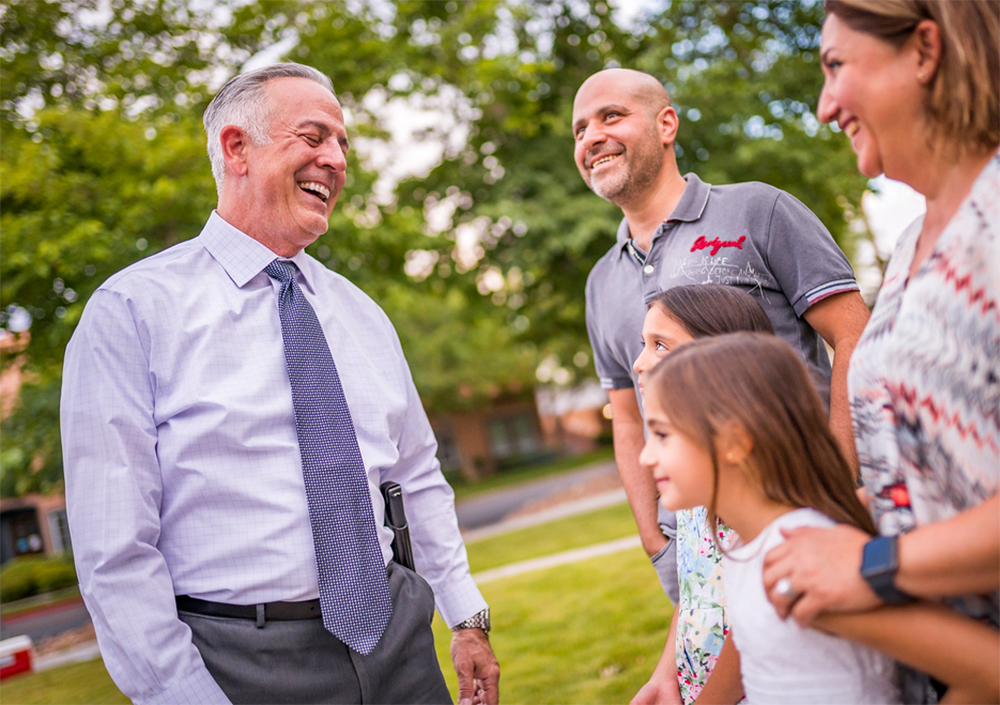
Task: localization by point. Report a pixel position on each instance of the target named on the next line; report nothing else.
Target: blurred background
(463, 215)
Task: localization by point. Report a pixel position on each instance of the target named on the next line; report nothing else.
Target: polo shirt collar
(693, 201)
(689, 209)
(241, 256)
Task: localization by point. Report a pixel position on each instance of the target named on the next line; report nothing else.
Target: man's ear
(667, 123)
(234, 149)
(926, 39)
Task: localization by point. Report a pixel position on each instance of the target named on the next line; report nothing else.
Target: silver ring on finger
(784, 588)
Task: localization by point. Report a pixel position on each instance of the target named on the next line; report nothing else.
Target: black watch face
(878, 556)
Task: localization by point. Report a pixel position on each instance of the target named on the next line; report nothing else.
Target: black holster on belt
(395, 519)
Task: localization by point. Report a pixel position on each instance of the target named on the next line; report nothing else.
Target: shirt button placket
(650, 282)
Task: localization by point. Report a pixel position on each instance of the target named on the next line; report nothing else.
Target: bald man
(680, 230)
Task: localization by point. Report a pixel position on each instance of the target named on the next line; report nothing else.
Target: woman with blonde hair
(915, 86)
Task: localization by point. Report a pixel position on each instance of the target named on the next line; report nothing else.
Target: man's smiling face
(293, 181)
(618, 149)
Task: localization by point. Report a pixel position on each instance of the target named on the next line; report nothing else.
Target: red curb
(57, 606)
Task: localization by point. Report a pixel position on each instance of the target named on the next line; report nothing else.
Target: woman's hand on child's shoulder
(823, 566)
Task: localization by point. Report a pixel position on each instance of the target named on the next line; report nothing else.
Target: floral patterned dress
(701, 612)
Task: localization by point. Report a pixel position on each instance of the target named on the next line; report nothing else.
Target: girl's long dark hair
(712, 309)
(757, 381)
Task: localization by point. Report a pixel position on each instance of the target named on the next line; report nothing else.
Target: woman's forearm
(954, 649)
(956, 556)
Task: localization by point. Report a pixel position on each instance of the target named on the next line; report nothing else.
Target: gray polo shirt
(751, 236)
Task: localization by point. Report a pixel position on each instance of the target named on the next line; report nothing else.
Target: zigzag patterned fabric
(924, 380)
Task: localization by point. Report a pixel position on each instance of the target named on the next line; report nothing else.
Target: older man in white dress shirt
(201, 517)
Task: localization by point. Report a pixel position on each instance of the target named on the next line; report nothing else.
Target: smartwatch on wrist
(879, 564)
(480, 620)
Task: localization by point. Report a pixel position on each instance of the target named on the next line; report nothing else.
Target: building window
(513, 435)
(21, 535)
(447, 453)
(59, 530)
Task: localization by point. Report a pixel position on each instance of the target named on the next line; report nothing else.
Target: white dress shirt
(183, 474)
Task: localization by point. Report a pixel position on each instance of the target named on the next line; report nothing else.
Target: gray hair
(243, 102)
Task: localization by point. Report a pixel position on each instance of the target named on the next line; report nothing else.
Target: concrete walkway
(83, 652)
(560, 511)
(47, 622)
(497, 506)
(573, 556)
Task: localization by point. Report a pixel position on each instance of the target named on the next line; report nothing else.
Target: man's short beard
(645, 168)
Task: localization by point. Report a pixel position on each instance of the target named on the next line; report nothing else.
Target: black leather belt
(274, 611)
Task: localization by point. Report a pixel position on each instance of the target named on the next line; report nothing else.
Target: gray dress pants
(301, 662)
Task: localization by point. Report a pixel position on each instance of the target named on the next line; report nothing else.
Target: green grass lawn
(589, 632)
(606, 524)
(516, 476)
(86, 682)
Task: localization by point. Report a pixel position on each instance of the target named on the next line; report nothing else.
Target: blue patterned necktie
(353, 590)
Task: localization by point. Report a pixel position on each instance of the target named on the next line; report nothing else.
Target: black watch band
(879, 564)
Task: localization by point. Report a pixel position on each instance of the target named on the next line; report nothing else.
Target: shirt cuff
(814, 296)
(616, 382)
(459, 601)
(197, 688)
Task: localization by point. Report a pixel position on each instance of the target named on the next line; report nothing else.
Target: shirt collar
(241, 256)
(689, 209)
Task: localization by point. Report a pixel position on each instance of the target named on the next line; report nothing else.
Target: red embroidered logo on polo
(716, 244)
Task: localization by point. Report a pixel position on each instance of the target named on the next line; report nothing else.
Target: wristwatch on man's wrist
(879, 564)
(480, 620)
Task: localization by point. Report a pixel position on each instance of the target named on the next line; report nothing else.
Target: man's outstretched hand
(477, 668)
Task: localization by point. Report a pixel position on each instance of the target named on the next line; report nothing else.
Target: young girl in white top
(736, 426)
(698, 659)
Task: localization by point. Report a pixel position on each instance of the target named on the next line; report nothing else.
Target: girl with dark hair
(684, 313)
(696, 647)
(735, 425)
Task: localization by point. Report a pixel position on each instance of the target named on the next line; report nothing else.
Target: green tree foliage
(744, 76)
(482, 262)
(83, 199)
(138, 55)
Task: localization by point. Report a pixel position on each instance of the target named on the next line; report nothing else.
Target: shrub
(24, 577)
(17, 579)
(54, 575)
